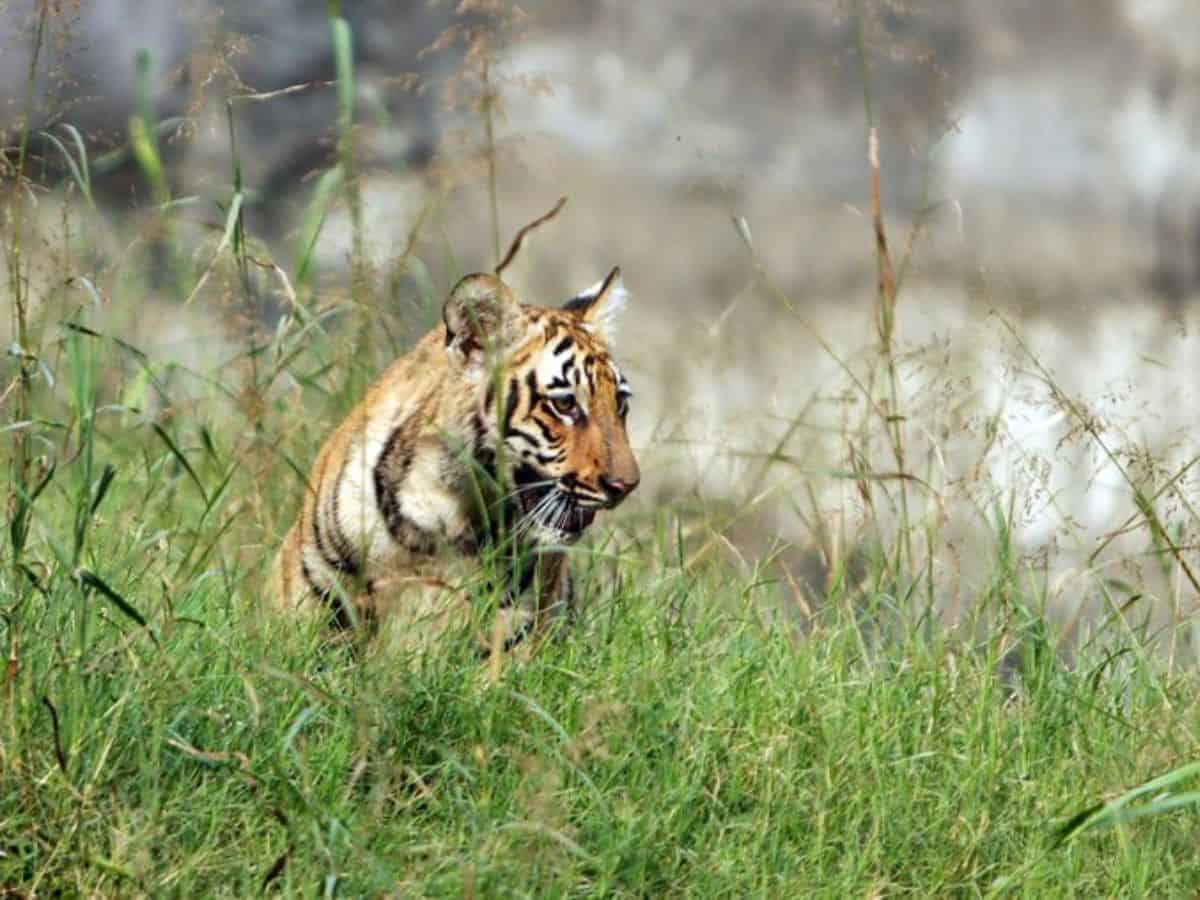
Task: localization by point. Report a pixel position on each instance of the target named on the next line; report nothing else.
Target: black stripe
(562, 345)
(519, 636)
(547, 434)
(580, 302)
(341, 545)
(525, 475)
(528, 573)
(510, 403)
(483, 455)
(339, 616)
(393, 465)
(389, 474)
(525, 436)
(531, 380)
(330, 555)
(485, 459)
(490, 394)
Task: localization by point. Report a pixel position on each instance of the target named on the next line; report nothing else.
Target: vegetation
(677, 743)
(711, 727)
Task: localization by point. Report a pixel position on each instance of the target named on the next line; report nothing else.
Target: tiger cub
(502, 431)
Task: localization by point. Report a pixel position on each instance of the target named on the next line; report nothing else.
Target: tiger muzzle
(617, 489)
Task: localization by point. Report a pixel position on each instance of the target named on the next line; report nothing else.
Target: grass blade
(102, 485)
(96, 583)
(314, 221)
(1117, 811)
(178, 454)
(77, 174)
(232, 219)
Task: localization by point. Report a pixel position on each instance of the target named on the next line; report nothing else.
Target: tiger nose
(617, 489)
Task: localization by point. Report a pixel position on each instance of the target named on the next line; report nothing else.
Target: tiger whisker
(559, 515)
(558, 512)
(550, 515)
(568, 510)
(535, 515)
(525, 488)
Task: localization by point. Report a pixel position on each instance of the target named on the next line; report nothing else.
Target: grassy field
(710, 728)
(160, 738)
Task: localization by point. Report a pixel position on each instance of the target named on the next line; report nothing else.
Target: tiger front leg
(540, 611)
(554, 591)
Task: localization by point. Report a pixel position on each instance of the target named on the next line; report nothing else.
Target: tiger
(500, 435)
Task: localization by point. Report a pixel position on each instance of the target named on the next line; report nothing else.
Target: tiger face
(555, 401)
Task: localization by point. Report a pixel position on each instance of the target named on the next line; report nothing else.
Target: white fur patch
(605, 318)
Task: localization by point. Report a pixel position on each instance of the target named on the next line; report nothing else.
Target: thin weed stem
(886, 295)
(21, 498)
(489, 126)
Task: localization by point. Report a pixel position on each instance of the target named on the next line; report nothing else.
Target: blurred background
(1040, 188)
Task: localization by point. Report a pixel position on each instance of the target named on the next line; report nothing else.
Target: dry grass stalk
(517, 241)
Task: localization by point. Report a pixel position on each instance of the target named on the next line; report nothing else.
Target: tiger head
(552, 402)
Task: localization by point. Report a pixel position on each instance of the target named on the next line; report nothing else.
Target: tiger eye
(565, 404)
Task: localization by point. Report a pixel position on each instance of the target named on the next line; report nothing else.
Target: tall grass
(26, 484)
(343, 55)
(693, 735)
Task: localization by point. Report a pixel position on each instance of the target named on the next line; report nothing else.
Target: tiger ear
(478, 314)
(601, 304)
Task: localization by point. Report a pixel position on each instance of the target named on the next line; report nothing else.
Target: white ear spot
(611, 307)
(601, 304)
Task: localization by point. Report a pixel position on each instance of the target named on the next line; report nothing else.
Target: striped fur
(503, 428)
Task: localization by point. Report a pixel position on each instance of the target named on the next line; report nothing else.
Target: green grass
(681, 741)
